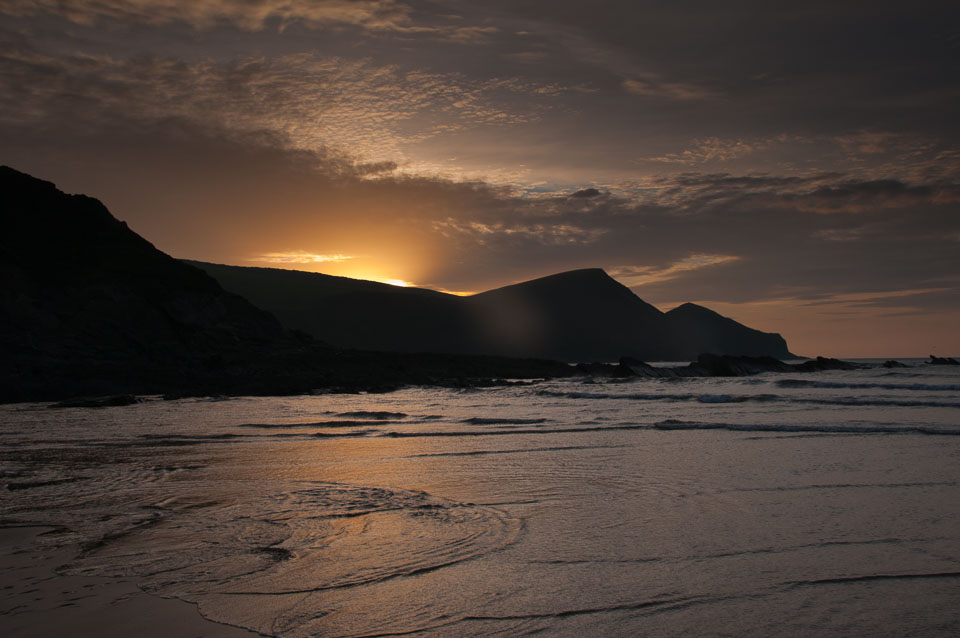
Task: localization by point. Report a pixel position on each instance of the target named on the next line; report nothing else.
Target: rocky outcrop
(695, 330)
(76, 281)
(638, 368)
(943, 361)
(893, 363)
(711, 365)
(825, 363)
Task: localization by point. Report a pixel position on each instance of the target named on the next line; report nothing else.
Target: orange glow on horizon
(336, 265)
(394, 282)
(340, 265)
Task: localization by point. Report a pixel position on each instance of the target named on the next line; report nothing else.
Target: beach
(763, 506)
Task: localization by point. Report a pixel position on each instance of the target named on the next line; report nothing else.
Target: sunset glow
(394, 282)
(298, 258)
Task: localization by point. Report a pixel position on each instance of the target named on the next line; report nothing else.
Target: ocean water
(820, 504)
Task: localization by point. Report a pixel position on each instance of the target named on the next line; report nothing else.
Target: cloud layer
(200, 14)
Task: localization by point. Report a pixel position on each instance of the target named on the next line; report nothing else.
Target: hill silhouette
(351, 313)
(75, 277)
(88, 307)
(576, 316)
(696, 330)
(581, 315)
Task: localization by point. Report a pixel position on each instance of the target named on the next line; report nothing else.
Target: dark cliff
(696, 330)
(76, 278)
(88, 307)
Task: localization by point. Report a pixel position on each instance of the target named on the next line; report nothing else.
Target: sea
(818, 504)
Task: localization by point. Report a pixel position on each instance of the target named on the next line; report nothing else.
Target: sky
(795, 166)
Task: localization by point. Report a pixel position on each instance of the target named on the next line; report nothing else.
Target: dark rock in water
(942, 361)
(645, 370)
(825, 363)
(891, 363)
(712, 365)
(99, 402)
(608, 370)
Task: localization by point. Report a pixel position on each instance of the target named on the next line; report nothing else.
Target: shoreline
(38, 602)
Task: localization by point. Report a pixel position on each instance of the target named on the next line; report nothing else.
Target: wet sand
(762, 508)
(39, 602)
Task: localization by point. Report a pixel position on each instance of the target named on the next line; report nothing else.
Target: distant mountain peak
(579, 273)
(692, 308)
(567, 280)
(583, 271)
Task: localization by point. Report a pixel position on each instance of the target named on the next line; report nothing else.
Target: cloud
(298, 257)
(707, 150)
(558, 234)
(652, 86)
(868, 142)
(314, 102)
(892, 301)
(467, 35)
(635, 276)
(863, 196)
(824, 193)
(841, 234)
(202, 14)
(527, 57)
(375, 17)
(718, 149)
(585, 193)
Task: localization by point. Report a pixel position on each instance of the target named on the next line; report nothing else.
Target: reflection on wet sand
(512, 510)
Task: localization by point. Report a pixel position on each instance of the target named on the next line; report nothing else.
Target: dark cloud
(758, 49)
(880, 193)
(585, 193)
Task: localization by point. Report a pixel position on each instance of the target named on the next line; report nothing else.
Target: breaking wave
(374, 415)
(479, 420)
(920, 387)
(745, 398)
(671, 424)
